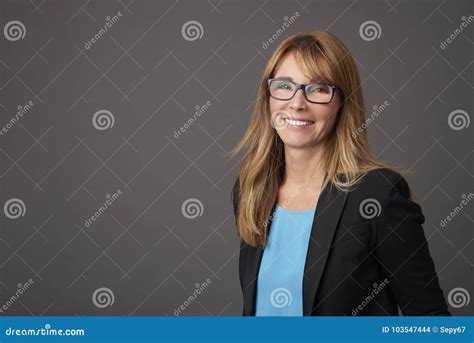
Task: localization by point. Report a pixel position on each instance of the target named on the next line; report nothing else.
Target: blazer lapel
(329, 209)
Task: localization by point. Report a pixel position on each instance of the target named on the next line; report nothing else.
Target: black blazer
(367, 254)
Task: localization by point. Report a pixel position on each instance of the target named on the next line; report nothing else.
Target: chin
(297, 143)
(301, 142)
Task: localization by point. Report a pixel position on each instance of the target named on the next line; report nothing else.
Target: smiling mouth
(293, 122)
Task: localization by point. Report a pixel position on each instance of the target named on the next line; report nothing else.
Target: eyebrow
(291, 79)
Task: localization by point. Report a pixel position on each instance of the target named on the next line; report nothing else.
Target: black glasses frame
(302, 86)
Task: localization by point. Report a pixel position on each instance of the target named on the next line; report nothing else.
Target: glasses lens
(318, 92)
(282, 89)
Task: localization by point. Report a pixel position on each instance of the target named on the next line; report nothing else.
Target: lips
(298, 118)
(281, 120)
(298, 122)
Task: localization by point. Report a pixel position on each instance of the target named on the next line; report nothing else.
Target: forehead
(290, 66)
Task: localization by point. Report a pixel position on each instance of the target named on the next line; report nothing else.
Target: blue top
(280, 278)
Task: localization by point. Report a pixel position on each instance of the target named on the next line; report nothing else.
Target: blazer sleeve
(402, 250)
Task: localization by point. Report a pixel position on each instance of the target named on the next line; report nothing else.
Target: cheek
(277, 110)
(326, 113)
(323, 113)
(275, 104)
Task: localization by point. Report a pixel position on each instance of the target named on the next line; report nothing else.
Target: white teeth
(298, 122)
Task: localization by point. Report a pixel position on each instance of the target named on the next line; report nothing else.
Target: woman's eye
(284, 85)
(319, 89)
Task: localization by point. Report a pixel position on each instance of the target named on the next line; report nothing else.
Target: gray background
(151, 79)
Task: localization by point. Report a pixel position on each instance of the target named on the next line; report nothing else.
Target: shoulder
(385, 187)
(390, 193)
(386, 194)
(383, 182)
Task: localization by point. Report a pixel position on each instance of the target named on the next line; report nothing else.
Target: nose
(298, 102)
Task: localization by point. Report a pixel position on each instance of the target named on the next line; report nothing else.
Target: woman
(325, 229)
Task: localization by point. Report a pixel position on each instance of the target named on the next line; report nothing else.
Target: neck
(303, 167)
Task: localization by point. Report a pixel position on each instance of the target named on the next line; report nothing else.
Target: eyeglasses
(317, 93)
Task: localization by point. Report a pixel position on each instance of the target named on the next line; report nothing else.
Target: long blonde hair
(346, 157)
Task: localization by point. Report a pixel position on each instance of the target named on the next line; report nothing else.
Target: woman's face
(321, 116)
